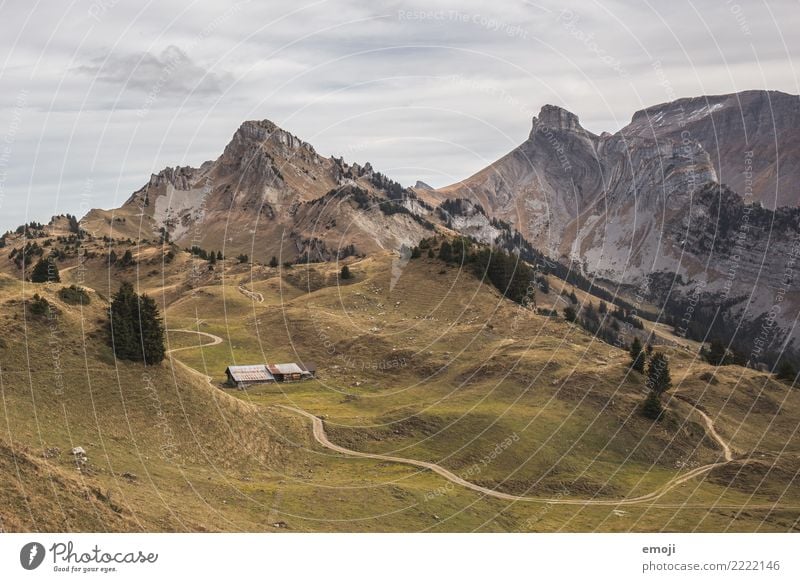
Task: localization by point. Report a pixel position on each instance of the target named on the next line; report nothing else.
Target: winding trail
(215, 341)
(254, 295)
(726, 449)
(318, 429)
(322, 438)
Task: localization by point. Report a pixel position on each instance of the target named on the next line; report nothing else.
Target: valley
(474, 345)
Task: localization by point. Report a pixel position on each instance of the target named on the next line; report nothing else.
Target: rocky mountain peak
(554, 117)
(263, 132)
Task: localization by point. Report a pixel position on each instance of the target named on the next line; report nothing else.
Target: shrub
(74, 295)
(38, 306)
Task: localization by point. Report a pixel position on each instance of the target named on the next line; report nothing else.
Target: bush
(74, 295)
(38, 306)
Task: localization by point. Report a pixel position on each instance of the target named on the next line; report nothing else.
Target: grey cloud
(434, 93)
(172, 72)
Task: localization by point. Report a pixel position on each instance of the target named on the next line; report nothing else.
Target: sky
(96, 95)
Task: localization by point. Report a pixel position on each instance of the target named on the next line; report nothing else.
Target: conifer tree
(786, 371)
(651, 407)
(136, 331)
(637, 356)
(45, 271)
(658, 376)
(446, 252)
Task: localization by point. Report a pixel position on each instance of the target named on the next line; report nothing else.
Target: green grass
(438, 368)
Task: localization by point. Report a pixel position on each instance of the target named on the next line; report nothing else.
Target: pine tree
(573, 297)
(569, 313)
(345, 273)
(658, 376)
(127, 259)
(637, 356)
(45, 271)
(135, 326)
(219, 256)
(651, 407)
(603, 309)
(122, 319)
(786, 371)
(717, 354)
(151, 331)
(273, 262)
(446, 252)
(431, 254)
(416, 253)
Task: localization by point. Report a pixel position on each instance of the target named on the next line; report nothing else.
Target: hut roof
(258, 373)
(291, 368)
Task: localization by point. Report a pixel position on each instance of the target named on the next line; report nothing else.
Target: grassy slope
(465, 370)
(439, 368)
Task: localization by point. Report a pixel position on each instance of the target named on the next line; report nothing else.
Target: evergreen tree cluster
(210, 256)
(23, 256)
(136, 332)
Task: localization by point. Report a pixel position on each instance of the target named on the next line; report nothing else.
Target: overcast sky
(95, 95)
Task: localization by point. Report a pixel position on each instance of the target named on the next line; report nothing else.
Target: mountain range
(692, 207)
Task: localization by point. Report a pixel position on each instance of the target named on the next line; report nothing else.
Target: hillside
(694, 198)
(438, 368)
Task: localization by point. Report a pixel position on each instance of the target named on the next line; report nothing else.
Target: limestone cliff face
(752, 139)
(647, 201)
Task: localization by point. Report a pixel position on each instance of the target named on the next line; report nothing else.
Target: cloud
(430, 91)
(170, 73)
